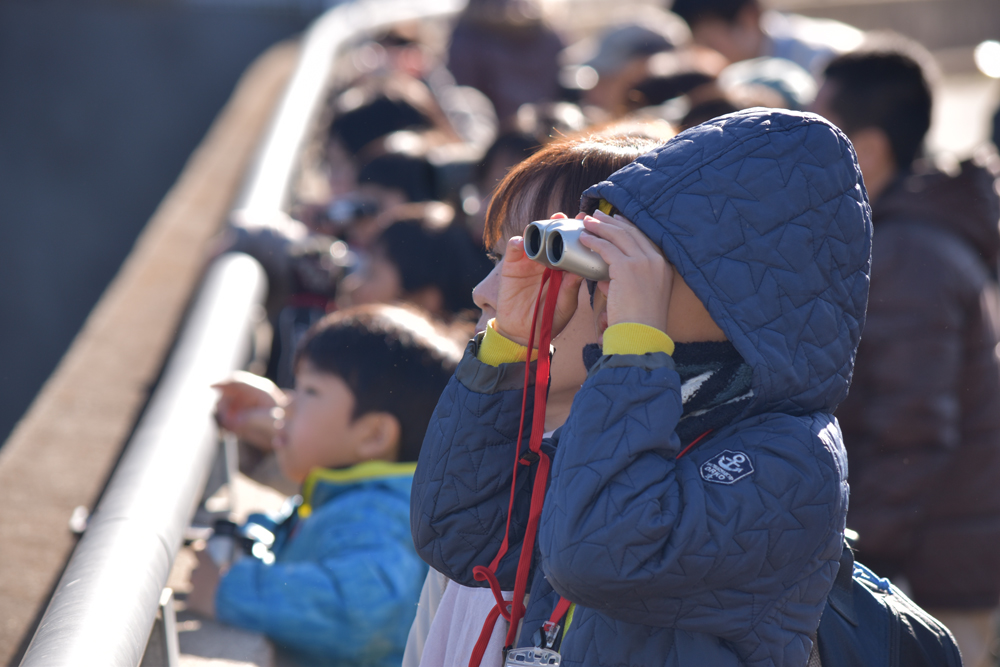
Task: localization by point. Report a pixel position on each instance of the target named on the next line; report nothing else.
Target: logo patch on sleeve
(726, 468)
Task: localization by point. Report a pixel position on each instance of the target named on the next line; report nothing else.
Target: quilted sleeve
(346, 591)
(707, 543)
(461, 489)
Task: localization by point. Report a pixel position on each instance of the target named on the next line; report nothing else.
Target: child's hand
(248, 407)
(204, 583)
(519, 280)
(641, 278)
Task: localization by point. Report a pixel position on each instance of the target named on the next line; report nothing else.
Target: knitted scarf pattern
(715, 385)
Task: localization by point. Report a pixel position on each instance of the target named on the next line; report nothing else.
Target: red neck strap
(513, 611)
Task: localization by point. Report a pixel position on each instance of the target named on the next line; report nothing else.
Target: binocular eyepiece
(556, 244)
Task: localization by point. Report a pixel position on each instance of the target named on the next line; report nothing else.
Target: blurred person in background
(422, 257)
(534, 126)
(780, 82)
(922, 421)
(996, 130)
(364, 113)
(605, 67)
(693, 85)
(371, 109)
(688, 75)
(505, 49)
(402, 174)
(416, 49)
(761, 82)
(741, 29)
(313, 263)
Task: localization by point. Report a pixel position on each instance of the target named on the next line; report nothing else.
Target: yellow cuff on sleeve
(495, 349)
(632, 338)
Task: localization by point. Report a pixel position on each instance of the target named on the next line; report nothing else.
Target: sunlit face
(318, 430)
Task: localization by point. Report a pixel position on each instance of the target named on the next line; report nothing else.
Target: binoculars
(556, 244)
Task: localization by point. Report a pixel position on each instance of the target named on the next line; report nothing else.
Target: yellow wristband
(495, 349)
(633, 338)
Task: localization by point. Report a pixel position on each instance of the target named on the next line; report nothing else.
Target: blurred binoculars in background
(556, 244)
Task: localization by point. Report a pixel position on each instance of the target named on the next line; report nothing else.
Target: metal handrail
(269, 185)
(105, 603)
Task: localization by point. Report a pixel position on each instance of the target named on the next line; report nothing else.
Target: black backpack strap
(841, 597)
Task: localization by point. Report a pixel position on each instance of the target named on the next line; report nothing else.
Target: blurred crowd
(398, 215)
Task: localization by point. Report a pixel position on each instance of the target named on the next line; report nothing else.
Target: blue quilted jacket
(725, 556)
(343, 586)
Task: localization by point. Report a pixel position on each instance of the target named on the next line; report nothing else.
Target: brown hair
(563, 169)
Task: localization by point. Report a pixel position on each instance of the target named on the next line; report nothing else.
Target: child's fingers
(618, 222)
(570, 287)
(616, 234)
(643, 243)
(608, 251)
(569, 295)
(613, 221)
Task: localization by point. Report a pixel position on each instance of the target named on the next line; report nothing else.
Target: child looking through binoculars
(691, 509)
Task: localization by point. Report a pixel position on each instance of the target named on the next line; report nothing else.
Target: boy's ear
(379, 434)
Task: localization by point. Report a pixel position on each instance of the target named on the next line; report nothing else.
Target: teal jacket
(343, 583)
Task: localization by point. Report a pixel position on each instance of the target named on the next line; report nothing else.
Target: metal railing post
(163, 649)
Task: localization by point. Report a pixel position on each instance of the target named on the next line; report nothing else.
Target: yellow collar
(357, 473)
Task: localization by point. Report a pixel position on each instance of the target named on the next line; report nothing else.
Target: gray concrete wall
(101, 104)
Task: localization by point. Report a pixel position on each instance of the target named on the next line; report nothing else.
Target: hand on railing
(250, 407)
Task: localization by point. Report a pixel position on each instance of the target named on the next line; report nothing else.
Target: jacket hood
(764, 214)
(965, 204)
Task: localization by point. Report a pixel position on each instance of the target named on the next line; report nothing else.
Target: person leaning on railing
(334, 579)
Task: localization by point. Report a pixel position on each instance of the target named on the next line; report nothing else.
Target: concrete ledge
(62, 452)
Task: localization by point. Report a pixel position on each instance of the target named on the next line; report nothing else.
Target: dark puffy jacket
(922, 423)
(725, 556)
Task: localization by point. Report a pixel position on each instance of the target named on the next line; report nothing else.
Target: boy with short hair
(696, 505)
(340, 582)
